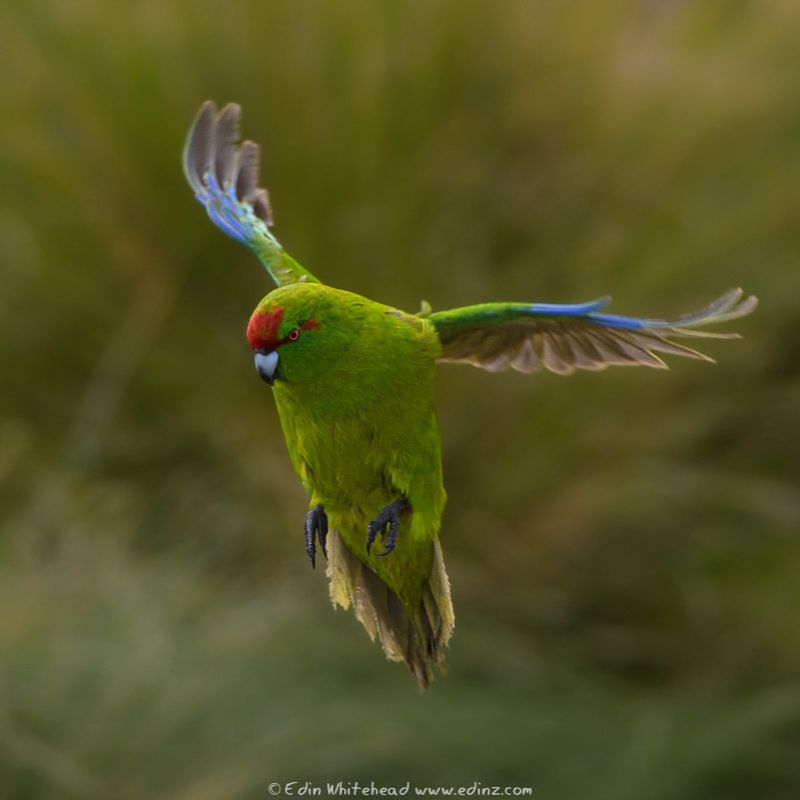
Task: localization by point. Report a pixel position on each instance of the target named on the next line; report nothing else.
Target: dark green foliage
(623, 546)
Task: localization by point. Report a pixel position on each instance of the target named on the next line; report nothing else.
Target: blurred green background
(623, 546)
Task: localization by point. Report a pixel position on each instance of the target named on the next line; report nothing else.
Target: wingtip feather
(224, 144)
(726, 307)
(198, 142)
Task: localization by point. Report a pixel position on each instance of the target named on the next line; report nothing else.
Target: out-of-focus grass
(623, 546)
(132, 680)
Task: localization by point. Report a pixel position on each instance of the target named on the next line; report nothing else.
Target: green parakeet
(353, 382)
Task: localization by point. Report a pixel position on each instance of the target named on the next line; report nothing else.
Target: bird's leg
(387, 517)
(316, 526)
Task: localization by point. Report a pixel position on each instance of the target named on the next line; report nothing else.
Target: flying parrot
(353, 382)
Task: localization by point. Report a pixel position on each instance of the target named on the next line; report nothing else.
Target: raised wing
(224, 176)
(562, 338)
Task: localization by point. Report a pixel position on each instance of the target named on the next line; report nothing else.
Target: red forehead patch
(263, 327)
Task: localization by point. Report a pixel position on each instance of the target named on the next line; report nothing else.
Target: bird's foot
(388, 518)
(316, 527)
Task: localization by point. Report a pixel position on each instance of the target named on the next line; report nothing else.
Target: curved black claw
(387, 517)
(316, 526)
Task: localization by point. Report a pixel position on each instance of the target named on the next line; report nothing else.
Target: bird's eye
(294, 335)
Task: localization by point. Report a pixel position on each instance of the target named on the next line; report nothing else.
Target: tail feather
(417, 637)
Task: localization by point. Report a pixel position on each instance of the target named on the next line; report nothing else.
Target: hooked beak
(267, 365)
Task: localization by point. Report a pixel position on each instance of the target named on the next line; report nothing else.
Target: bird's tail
(417, 636)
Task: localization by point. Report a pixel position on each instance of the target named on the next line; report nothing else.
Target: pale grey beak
(267, 365)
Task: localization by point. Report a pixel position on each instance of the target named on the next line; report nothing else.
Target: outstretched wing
(562, 338)
(224, 176)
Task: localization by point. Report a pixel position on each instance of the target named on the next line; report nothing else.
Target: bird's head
(297, 333)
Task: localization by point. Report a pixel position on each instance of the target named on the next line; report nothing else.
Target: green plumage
(355, 400)
(357, 412)
(354, 387)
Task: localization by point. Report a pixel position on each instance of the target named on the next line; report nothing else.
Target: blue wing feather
(623, 323)
(723, 308)
(568, 309)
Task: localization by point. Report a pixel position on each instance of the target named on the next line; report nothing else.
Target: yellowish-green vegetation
(623, 546)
